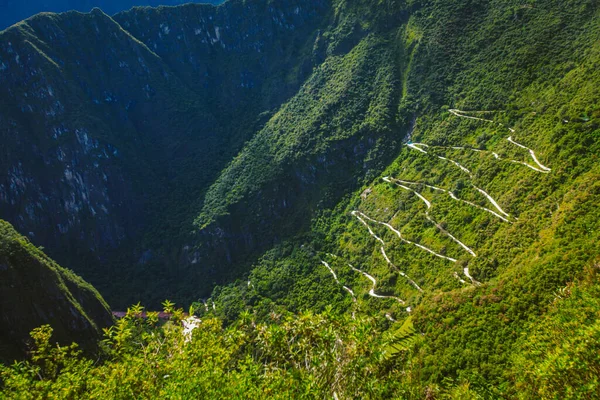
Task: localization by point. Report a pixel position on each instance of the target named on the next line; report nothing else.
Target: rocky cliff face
(12, 12)
(238, 53)
(35, 291)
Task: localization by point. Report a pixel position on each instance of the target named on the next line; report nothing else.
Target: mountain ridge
(116, 121)
(12, 13)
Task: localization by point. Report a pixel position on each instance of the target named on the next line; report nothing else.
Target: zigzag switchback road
(461, 114)
(428, 204)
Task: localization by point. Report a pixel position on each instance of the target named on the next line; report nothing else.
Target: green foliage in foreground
(560, 356)
(305, 356)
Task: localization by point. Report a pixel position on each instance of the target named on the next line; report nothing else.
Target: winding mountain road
(363, 218)
(491, 200)
(543, 168)
(453, 197)
(346, 288)
(460, 113)
(415, 146)
(532, 153)
(356, 214)
(466, 272)
(459, 278)
(501, 214)
(387, 259)
(361, 215)
(496, 156)
(371, 278)
(372, 291)
(412, 282)
(428, 204)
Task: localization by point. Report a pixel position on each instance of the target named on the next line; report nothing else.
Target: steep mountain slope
(124, 137)
(35, 291)
(484, 215)
(338, 129)
(126, 148)
(12, 11)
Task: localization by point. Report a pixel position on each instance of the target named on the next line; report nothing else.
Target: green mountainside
(125, 133)
(35, 291)
(383, 199)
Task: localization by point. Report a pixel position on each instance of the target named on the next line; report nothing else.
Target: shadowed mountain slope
(35, 291)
